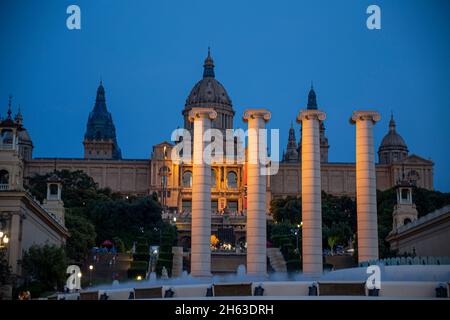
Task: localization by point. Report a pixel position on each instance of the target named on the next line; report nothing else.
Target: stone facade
(23, 219)
(172, 181)
(426, 236)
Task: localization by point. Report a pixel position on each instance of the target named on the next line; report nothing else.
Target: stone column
(366, 187)
(15, 244)
(312, 255)
(256, 194)
(201, 195)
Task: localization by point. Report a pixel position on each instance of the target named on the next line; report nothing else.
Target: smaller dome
(392, 140)
(208, 91)
(24, 136)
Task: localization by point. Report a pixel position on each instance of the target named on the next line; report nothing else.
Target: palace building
(104, 162)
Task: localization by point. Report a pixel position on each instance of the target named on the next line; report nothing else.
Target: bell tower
(53, 202)
(11, 164)
(405, 210)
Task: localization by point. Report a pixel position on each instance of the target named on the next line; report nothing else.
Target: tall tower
(11, 164)
(405, 210)
(291, 154)
(324, 146)
(100, 140)
(53, 202)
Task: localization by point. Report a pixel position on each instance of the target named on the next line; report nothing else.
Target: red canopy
(107, 243)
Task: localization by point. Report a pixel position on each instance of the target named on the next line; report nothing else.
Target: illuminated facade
(172, 181)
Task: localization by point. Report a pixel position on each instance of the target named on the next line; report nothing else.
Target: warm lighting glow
(79, 274)
(6, 239)
(91, 267)
(1, 234)
(174, 219)
(139, 278)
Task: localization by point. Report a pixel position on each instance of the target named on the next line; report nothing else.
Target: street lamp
(91, 268)
(4, 240)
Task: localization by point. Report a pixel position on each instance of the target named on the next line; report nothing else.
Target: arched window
(187, 179)
(413, 177)
(406, 221)
(7, 136)
(4, 177)
(213, 178)
(232, 180)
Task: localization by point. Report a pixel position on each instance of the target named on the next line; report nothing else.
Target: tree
(287, 210)
(45, 265)
(82, 235)
(332, 242)
(125, 219)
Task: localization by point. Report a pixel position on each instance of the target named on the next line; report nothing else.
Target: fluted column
(256, 194)
(312, 256)
(366, 196)
(201, 195)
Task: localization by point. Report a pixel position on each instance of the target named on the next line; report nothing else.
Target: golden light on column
(366, 197)
(256, 194)
(311, 192)
(201, 195)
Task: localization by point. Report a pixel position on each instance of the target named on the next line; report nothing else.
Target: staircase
(105, 269)
(276, 260)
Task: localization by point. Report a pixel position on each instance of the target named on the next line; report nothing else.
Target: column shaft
(366, 193)
(256, 195)
(201, 196)
(312, 256)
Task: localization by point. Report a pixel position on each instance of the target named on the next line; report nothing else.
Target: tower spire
(208, 66)
(9, 106)
(392, 122)
(312, 100)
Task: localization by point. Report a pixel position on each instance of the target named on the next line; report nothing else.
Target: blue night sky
(150, 54)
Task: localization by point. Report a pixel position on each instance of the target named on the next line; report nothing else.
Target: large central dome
(209, 92)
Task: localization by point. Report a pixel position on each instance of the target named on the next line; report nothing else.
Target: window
(406, 221)
(187, 179)
(232, 206)
(213, 178)
(405, 194)
(53, 189)
(232, 180)
(186, 205)
(214, 206)
(4, 177)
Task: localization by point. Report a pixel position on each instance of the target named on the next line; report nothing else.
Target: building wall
(27, 224)
(427, 239)
(142, 177)
(124, 176)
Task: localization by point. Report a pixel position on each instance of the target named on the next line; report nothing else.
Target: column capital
(198, 112)
(361, 115)
(310, 115)
(256, 113)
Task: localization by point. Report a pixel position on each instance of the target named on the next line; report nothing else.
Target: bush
(293, 265)
(142, 248)
(141, 257)
(143, 265)
(118, 243)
